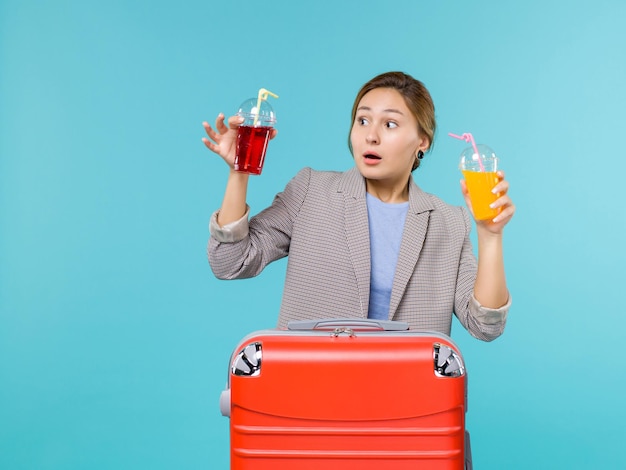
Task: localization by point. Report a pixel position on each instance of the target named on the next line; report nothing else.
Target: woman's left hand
(507, 208)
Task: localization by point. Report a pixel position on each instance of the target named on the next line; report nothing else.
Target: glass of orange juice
(480, 173)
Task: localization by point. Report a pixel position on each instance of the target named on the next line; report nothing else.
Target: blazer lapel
(352, 186)
(415, 228)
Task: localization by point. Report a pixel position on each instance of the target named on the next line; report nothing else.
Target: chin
(368, 172)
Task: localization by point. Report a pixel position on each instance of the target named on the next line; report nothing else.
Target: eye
(362, 121)
(391, 124)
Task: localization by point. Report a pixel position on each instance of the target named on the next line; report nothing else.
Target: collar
(352, 184)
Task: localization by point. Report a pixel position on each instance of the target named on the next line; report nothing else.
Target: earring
(420, 154)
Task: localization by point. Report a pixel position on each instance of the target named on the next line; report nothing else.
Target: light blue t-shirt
(386, 223)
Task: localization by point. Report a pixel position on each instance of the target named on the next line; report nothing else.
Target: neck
(389, 193)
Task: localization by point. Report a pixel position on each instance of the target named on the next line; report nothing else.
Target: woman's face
(384, 137)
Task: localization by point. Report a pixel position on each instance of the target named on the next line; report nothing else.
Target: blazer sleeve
(243, 248)
(481, 322)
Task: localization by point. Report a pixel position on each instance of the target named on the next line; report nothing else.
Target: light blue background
(114, 334)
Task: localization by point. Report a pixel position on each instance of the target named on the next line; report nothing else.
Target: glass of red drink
(253, 135)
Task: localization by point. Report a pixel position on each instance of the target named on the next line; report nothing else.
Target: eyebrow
(389, 110)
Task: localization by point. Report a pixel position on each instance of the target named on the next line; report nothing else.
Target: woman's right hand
(224, 141)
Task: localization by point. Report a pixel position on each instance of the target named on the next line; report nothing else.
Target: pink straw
(467, 137)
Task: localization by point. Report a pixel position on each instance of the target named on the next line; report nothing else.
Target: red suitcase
(347, 394)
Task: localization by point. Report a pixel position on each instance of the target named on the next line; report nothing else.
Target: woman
(368, 242)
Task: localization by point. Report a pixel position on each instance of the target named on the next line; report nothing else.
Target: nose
(372, 136)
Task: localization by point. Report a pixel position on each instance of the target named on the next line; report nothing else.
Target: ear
(424, 144)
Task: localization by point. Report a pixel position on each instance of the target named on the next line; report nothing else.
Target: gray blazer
(320, 221)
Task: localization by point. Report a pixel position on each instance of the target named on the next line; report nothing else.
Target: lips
(371, 158)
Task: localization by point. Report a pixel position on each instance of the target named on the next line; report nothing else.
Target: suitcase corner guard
(248, 361)
(448, 363)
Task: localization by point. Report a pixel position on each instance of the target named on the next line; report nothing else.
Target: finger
(464, 187)
(502, 201)
(210, 132)
(235, 121)
(465, 193)
(273, 133)
(468, 201)
(210, 145)
(505, 216)
(501, 188)
(219, 124)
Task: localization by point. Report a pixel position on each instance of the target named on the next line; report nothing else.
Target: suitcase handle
(351, 323)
